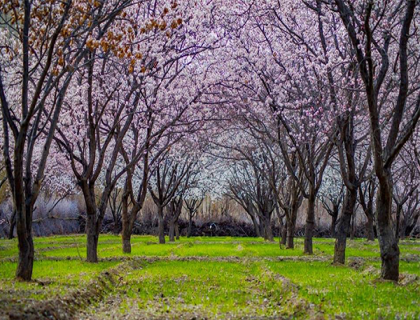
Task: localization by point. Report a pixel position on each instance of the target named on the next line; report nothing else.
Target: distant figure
(212, 227)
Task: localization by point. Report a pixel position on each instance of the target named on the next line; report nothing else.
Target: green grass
(348, 292)
(51, 279)
(215, 277)
(110, 246)
(213, 288)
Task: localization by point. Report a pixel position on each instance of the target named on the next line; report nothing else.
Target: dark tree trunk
(263, 230)
(126, 241)
(370, 234)
(283, 239)
(388, 243)
(291, 222)
(333, 224)
(290, 234)
(175, 212)
(161, 226)
(26, 254)
(128, 219)
(126, 234)
(403, 230)
(92, 238)
(92, 222)
(256, 226)
(397, 227)
(310, 224)
(412, 225)
(352, 226)
(177, 230)
(126, 226)
(171, 231)
(189, 227)
(344, 226)
(268, 230)
(12, 225)
(23, 209)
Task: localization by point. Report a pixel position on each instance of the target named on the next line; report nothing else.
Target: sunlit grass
(217, 277)
(352, 293)
(51, 278)
(110, 246)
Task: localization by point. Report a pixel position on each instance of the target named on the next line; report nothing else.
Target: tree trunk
(397, 227)
(177, 230)
(92, 238)
(310, 223)
(403, 230)
(161, 230)
(171, 231)
(126, 241)
(126, 233)
(12, 225)
(283, 235)
(333, 224)
(403, 227)
(92, 225)
(344, 226)
(126, 228)
(352, 227)
(283, 239)
(256, 226)
(412, 225)
(189, 227)
(370, 234)
(290, 234)
(390, 253)
(263, 230)
(26, 254)
(268, 229)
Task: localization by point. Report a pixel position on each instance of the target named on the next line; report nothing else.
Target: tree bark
(283, 239)
(283, 235)
(126, 242)
(161, 230)
(388, 243)
(12, 226)
(370, 234)
(26, 254)
(126, 230)
(176, 230)
(352, 227)
(263, 230)
(127, 226)
(256, 226)
(171, 231)
(290, 234)
(412, 225)
(344, 226)
(397, 227)
(310, 224)
(333, 224)
(403, 230)
(189, 227)
(268, 229)
(92, 225)
(126, 233)
(92, 238)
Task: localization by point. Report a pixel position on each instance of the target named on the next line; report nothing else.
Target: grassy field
(213, 278)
